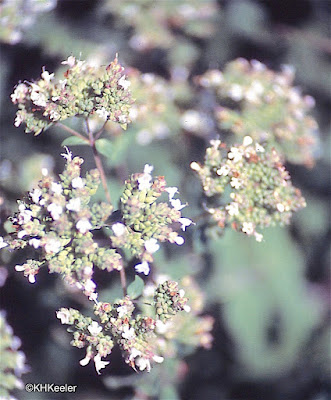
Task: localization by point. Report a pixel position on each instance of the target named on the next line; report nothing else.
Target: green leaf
(73, 141)
(105, 147)
(136, 288)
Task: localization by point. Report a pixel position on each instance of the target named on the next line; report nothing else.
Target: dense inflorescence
(56, 219)
(260, 190)
(134, 334)
(12, 360)
(256, 101)
(84, 91)
(147, 221)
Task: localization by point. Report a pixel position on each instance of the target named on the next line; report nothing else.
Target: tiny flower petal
(151, 245)
(94, 328)
(118, 229)
(77, 183)
(83, 225)
(142, 268)
(185, 222)
(99, 364)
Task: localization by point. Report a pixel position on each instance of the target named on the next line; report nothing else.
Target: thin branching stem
(72, 131)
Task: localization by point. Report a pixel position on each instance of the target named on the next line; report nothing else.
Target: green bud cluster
(261, 192)
(56, 219)
(270, 109)
(12, 360)
(84, 91)
(169, 300)
(154, 22)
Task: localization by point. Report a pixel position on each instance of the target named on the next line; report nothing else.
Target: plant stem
(73, 132)
(99, 133)
(123, 281)
(98, 161)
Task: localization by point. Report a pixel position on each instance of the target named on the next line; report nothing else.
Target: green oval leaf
(136, 288)
(105, 147)
(73, 141)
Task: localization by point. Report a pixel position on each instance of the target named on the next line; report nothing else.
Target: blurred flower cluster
(146, 221)
(155, 23)
(256, 101)
(17, 15)
(251, 185)
(134, 334)
(85, 90)
(12, 360)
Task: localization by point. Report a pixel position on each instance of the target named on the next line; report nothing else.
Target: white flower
(145, 179)
(128, 333)
(18, 120)
(52, 245)
(102, 113)
(67, 155)
(70, 61)
(224, 170)
(35, 243)
(83, 225)
(171, 191)
(44, 171)
(35, 195)
(195, 166)
(56, 188)
(94, 328)
(85, 360)
(118, 229)
(2, 243)
(47, 77)
(236, 92)
(235, 183)
(185, 222)
(39, 99)
(179, 240)
(21, 234)
(73, 204)
(32, 278)
(258, 237)
(77, 183)
(247, 141)
(142, 268)
(64, 315)
(124, 83)
(99, 364)
(151, 245)
(89, 286)
(122, 310)
(248, 227)
(280, 207)
(20, 268)
(55, 210)
(177, 205)
(158, 359)
(232, 209)
(259, 148)
(235, 154)
(134, 353)
(143, 363)
(24, 215)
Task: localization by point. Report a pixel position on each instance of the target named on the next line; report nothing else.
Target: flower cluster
(17, 15)
(154, 113)
(12, 360)
(188, 328)
(268, 108)
(169, 300)
(84, 91)
(135, 335)
(146, 221)
(56, 220)
(154, 23)
(261, 192)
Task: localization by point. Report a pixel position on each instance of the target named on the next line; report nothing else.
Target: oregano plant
(245, 186)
